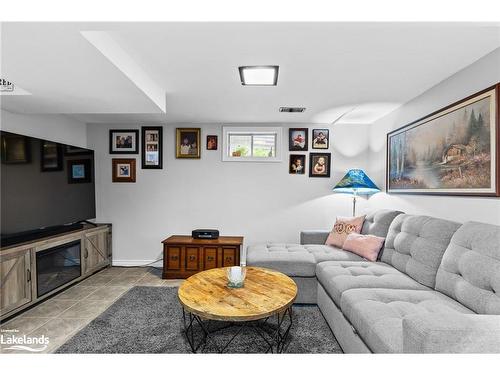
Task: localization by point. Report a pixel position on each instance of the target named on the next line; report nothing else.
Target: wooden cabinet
(95, 252)
(184, 256)
(15, 273)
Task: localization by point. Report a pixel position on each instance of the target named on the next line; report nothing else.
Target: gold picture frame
(187, 143)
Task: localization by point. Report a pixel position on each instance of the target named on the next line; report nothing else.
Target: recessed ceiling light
(263, 75)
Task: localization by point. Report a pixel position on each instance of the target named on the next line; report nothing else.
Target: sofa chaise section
(299, 260)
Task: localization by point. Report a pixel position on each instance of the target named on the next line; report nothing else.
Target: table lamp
(355, 182)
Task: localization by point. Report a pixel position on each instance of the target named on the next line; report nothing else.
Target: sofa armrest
(451, 333)
(313, 237)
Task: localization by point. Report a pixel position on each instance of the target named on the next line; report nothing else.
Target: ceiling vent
(292, 109)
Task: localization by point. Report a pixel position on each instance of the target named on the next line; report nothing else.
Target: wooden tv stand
(18, 286)
(184, 256)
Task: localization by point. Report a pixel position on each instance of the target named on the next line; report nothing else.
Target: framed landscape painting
(454, 151)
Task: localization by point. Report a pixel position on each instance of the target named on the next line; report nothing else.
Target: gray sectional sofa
(435, 288)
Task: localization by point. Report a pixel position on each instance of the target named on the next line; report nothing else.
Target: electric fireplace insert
(57, 266)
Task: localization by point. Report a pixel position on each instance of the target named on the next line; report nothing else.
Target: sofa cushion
(322, 253)
(377, 223)
(377, 314)
(342, 228)
(294, 259)
(338, 276)
(470, 269)
(416, 244)
(291, 259)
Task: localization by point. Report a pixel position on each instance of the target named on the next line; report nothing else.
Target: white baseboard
(136, 262)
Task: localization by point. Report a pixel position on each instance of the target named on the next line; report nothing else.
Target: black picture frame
(135, 148)
(292, 146)
(86, 167)
(212, 138)
(293, 167)
(313, 156)
(51, 156)
(149, 143)
(315, 134)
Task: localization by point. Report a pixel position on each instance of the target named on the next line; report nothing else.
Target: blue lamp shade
(356, 182)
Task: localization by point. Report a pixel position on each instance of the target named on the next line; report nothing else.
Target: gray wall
(57, 128)
(483, 73)
(260, 201)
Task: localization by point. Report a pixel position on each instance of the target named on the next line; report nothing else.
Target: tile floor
(64, 314)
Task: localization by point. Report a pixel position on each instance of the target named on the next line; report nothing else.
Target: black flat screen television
(46, 187)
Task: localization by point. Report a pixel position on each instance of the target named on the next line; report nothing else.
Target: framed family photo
(152, 147)
(297, 164)
(321, 139)
(453, 151)
(298, 139)
(187, 143)
(319, 164)
(51, 156)
(124, 141)
(212, 142)
(79, 171)
(123, 170)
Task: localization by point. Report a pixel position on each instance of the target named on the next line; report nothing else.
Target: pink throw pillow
(342, 228)
(366, 246)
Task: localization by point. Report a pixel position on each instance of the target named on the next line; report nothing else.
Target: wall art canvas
(453, 151)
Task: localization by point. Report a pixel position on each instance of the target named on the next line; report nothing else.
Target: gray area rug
(149, 320)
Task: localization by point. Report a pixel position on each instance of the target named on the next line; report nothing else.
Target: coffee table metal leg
(277, 337)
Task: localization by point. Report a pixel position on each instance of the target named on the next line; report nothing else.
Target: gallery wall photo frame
(453, 151)
(123, 170)
(320, 164)
(79, 171)
(212, 142)
(152, 147)
(298, 139)
(320, 139)
(297, 164)
(188, 143)
(123, 141)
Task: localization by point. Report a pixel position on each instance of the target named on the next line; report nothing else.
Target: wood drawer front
(229, 257)
(192, 258)
(210, 259)
(173, 257)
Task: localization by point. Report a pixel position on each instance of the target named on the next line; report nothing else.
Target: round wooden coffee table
(266, 295)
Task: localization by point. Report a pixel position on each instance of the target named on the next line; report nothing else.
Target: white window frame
(249, 130)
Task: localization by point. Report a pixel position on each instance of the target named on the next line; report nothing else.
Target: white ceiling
(362, 70)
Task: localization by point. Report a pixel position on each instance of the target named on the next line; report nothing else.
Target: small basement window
(257, 144)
